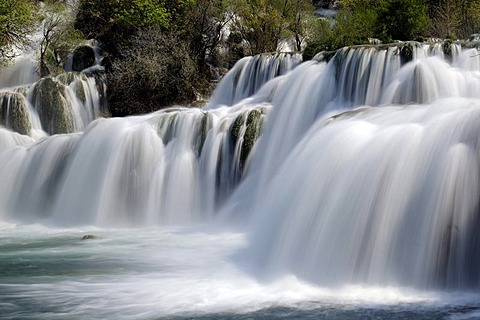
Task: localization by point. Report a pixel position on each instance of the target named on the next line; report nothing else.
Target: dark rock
(447, 48)
(89, 237)
(83, 57)
(406, 53)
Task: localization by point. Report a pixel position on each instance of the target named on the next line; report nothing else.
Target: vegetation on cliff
(17, 21)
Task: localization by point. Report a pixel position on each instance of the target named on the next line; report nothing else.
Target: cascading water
(62, 104)
(173, 167)
(351, 180)
(250, 74)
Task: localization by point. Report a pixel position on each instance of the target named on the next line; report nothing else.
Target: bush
(359, 20)
(155, 71)
(403, 19)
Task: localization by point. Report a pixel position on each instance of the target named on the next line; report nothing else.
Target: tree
(17, 20)
(302, 21)
(114, 22)
(446, 19)
(262, 24)
(202, 28)
(455, 18)
(403, 19)
(155, 71)
(357, 22)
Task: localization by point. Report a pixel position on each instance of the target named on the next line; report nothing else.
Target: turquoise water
(182, 274)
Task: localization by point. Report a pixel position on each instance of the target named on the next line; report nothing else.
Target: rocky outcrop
(14, 112)
(50, 101)
(83, 57)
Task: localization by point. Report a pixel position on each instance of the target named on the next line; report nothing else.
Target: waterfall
(251, 73)
(357, 167)
(64, 103)
(172, 167)
(390, 198)
(21, 71)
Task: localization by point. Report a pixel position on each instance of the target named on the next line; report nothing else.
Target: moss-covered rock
(67, 78)
(14, 112)
(236, 127)
(206, 125)
(246, 126)
(50, 101)
(252, 132)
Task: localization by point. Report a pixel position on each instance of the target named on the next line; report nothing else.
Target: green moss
(67, 78)
(235, 128)
(50, 100)
(251, 135)
(14, 113)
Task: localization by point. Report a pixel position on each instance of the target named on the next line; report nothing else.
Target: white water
(153, 273)
(20, 72)
(250, 74)
(362, 189)
(77, 94)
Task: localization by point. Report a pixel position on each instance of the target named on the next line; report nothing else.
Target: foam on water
(151, 273)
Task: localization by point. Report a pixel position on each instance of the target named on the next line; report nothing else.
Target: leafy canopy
(17, 20)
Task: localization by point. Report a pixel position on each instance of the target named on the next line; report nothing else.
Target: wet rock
(50, 99)
(89, 237)
(83, 57)
(14, 112)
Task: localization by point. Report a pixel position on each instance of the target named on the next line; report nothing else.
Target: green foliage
(114, 21)
(137, 13)
(99, 17)
(259, 22)
(140, 13)
(324, 40)
(403, 19)
(154, 72)
(59, 37)
(361, 20)
(201, 28)
(357, 25)
(263, 23)
(17, 20)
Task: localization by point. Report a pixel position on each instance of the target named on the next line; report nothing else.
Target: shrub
(153, 72)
